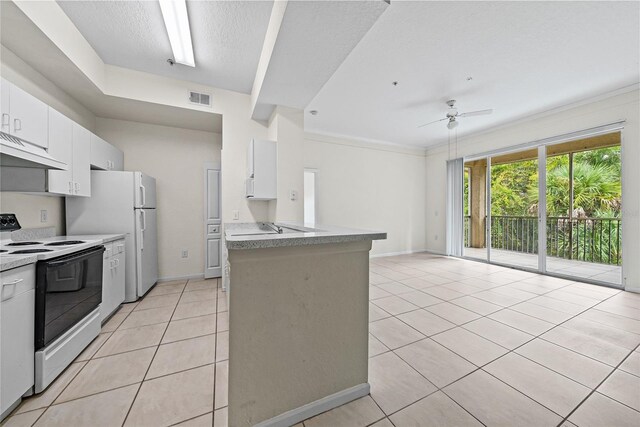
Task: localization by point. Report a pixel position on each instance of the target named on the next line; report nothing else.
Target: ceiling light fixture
(453, 123)
(176, 20)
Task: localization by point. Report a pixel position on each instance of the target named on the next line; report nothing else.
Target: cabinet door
(118, 284)
(117, 159)
(29, 117)
(61, 148)
(17, 349)
(107, 274)
(81, 161)
(99, 153)
(4, 106)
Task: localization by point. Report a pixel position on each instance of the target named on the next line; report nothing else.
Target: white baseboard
(319, 406)
(187, 277)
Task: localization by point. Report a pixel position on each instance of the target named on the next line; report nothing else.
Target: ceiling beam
(304, 45)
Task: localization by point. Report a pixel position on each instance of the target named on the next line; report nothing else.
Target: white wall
(175, 157)
(286, 127)
(369, 186)
(569, 119)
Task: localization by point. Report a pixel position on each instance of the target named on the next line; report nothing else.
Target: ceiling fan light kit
(452, 115)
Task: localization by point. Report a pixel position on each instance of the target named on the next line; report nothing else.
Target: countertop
(106, 238)
(258, 235)
(7, 262)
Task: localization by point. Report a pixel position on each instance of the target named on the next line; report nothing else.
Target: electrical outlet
(43, 215)
(185, 253)
(236, 215)
(293, 195)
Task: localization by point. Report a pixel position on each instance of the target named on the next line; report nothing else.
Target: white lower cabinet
(17, 325)
(113, 278)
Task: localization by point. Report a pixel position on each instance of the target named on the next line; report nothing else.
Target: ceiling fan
(452, 115)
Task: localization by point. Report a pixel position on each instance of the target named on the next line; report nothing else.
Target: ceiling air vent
(200, 98)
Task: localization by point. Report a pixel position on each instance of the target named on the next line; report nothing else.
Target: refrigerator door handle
(144, 220)
(144, 195)
(143, 226)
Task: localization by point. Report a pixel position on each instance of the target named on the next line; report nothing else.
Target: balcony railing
(585, 239)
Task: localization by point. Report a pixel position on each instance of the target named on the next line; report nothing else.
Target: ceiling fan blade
(476, 113)
(435, 121)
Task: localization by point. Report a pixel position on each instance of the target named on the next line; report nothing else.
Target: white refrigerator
(122, 203)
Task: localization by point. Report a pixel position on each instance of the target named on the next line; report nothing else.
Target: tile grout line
(598, 386)
(46, 408)
(152, 358)
(493, 360)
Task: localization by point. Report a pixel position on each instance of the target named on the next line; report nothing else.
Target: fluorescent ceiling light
(176, 20)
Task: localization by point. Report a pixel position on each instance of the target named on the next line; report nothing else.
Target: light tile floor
(452, 342)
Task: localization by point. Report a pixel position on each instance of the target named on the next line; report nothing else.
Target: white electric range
(68, 285)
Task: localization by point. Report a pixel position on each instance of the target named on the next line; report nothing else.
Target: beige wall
(175, 157)
(369, 186)
(27, 208)
(578, 117)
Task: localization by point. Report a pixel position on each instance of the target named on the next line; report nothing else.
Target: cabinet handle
(17, 124)
(5, 119)
(70, 187)
(117, 261)
(15, 282)
(13, 291)
(77, 188)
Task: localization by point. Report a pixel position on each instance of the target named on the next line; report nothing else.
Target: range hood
(16, 152)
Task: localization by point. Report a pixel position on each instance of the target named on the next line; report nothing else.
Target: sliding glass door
(553, 208)
(584, 216)
(514, 209)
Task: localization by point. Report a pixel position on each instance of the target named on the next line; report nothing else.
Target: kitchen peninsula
(298, 307)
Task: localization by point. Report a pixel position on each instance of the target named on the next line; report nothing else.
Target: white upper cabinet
(24, 116)
(4, 106)
(262, 168)
(70, 143)
(61, 148)
(105, 156)
(81, 161)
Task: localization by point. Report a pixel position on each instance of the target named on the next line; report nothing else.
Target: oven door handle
(74, 257)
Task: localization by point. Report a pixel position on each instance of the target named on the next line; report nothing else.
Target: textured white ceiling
(227, 38)
(524, 57)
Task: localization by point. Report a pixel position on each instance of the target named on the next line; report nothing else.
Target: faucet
(274, 227)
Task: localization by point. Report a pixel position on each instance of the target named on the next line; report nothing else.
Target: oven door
(67, 289)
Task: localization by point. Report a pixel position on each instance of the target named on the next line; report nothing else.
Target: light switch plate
(43, 215)
(236, 215)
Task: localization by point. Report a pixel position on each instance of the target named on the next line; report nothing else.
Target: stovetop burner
(65, 243)
(24, 243)
(30, 251)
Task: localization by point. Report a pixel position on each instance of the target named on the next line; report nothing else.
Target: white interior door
(212, 221)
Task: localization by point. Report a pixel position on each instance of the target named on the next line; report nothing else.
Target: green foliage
(596, 181)
(597, 195)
